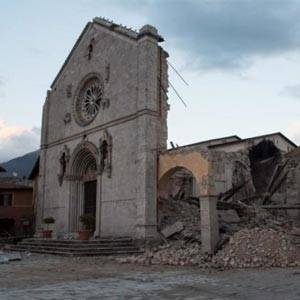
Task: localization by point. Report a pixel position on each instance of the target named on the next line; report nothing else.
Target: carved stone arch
(84, 157)
(105, 153)
(83, 168)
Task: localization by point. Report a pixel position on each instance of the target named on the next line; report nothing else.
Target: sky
(240, 58)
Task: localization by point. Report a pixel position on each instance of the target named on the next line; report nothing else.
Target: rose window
(88, 101)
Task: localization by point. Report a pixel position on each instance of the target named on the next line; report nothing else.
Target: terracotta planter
(84, 235)
(47, 234)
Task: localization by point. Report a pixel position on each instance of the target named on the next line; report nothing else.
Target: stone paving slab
(45, 277)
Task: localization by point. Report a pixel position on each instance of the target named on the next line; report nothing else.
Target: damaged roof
(232, 140)
(217, 141)
(257, 137)
(295, 153)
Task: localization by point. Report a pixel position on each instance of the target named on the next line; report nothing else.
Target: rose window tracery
(88, 101)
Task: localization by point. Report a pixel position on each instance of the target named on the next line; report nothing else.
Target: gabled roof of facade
(71, 53)
(117, 28)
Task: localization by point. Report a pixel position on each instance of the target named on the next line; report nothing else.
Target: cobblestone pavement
(49, 277)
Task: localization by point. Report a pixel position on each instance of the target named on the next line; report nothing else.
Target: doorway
(90, 195)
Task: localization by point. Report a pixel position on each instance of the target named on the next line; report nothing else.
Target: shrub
(88, 221)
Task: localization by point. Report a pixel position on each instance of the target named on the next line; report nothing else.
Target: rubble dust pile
(178, 254)
(187, 212)
(258, 248)
(248, 248)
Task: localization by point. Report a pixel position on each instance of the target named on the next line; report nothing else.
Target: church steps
(76, 245)
(86, 253)
(118, 240)
(78, 248)
(70, 249)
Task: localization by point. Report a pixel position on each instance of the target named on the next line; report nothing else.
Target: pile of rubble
(174, 254)
(249, 217)
(182, 217)
(179, 227)
(258, 247)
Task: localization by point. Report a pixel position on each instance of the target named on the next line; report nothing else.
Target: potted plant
(47, 234)
(88, 222)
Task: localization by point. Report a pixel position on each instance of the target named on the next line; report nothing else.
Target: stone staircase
(101, 247)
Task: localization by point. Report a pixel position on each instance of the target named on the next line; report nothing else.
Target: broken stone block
(168, 231)
(229, 216)
(295, 231)
(3, 258)
(14, 256)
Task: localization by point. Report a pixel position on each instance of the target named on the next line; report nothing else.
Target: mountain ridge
(20, 167)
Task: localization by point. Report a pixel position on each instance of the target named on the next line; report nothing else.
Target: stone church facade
(104, 125)
(104, 144)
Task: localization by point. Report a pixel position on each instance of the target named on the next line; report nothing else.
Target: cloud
(293, 131)
(227, 34)
(16, 141)
(292, 91)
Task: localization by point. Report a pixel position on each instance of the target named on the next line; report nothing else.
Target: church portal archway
(84, 181)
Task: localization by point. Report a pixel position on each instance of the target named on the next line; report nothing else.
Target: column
(98, 207)
(209, 223)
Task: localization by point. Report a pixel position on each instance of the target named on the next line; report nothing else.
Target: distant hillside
(21, 166)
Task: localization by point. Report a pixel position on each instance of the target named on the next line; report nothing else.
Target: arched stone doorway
(84, 180)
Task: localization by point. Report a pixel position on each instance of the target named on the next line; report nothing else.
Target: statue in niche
(107, 72)
(90, 49)
(64, 161)
(67, 118)
(105, 153)
(69, 90)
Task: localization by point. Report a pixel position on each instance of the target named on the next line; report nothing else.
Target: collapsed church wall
(110, 95)
(287, 186)
(239, 181)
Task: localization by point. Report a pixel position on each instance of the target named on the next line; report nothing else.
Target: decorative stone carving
(69, 90)
(88, 100)
(107, 72)
(90, 49)
(105, 147)
(67, 118)
(64, 161)
(105, 103)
